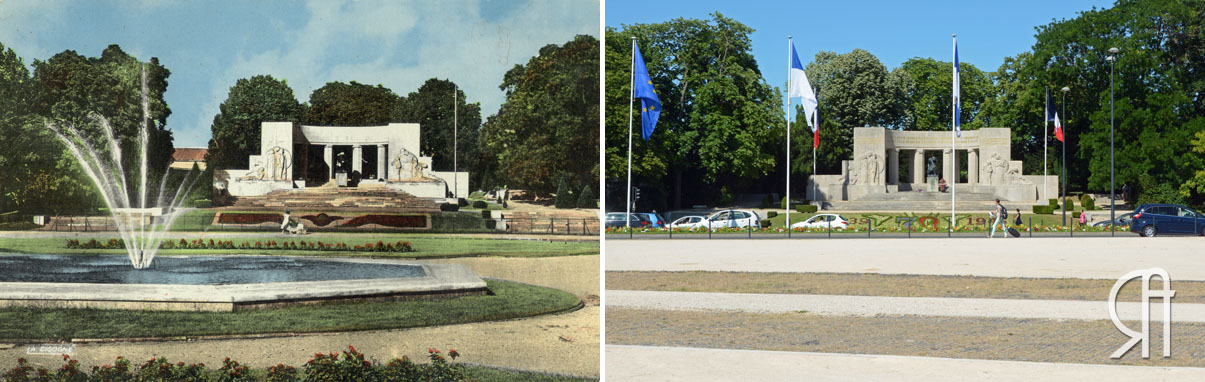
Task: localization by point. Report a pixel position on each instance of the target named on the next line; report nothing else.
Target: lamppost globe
(1066, 89)
(1114, 50)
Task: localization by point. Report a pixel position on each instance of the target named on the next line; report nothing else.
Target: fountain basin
(221, 283)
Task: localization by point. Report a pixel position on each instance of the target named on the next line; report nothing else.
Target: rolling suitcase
(1014, 232)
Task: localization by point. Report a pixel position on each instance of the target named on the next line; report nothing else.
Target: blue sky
(894, 31)
(208, 45)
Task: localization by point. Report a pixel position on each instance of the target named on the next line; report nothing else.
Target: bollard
(749, 228)
(830, 229)
(910, 228)
(1031, 226)
(869, 225)
(708, 230)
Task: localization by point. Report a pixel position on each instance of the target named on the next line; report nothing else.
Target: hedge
(806, 208)
(771, 214)
(1054, 202)
(449, 207)
(1087, 202)
(796, 202)
(1075, 214)
(480, 204)
(1043, 210)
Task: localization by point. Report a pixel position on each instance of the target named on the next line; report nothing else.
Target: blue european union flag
(642, 89)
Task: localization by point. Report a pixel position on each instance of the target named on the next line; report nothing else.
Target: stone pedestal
(931, 183)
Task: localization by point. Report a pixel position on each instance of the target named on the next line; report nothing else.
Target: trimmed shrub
(765, 223)
(491, 224)
(1054, 202)
(462, 202)
(485, 214)
(449, 207)
(1076, 214)
(480, 204)
(795, 202)
(457, 222)
(564, 197)
(771, 214)
(1088, 202)
(1043, 210)
(805, 208)
(587, 199)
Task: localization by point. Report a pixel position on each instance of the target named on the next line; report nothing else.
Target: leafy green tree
(351, 104)
(69, 87)
(431, 107)
(929, 90)
(720, 120)
(548, 126)
(587, 199)
(236, 127)
(1158, 86)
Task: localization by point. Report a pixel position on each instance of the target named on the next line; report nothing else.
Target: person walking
(1018, 221)
(1082, 219)
(284, 224)
(1001, 214)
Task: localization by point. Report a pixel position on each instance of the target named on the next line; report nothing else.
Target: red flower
(452, 353)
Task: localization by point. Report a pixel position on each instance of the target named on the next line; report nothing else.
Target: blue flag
(650, 105)
(1050, 112)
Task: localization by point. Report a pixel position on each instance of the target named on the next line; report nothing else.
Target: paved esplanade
(1087, 258)
(648, 363)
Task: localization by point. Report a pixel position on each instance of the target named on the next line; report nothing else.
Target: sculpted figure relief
(280, 163)
(257, 173)
(868, 169)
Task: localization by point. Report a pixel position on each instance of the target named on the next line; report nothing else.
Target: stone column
(328, 152)
(357, 159)
(947, 165)
(973, 166)
(918, 166)
(381, 161)
(893, 166)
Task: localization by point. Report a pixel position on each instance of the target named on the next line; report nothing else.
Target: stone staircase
(337, 199)
(925, 201)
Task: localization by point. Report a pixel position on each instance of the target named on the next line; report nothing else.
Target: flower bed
(396, 221)
(379, 246)
(322, 219)
(248, 218)
(350, 365)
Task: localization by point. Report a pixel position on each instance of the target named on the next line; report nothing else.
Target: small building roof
(189, 154)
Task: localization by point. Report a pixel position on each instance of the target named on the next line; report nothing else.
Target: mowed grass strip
(426, 246)
(1035, 340)
(873, 284)
(510, 300)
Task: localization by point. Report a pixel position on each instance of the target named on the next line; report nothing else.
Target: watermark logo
(1145, 335)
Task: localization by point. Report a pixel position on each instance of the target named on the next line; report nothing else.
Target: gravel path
(566, 343)
(874, 284)
(1089, 258)
(831, 305)
(645, 363)
(1038, 340)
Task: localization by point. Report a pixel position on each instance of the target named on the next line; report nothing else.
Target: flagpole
(787, 222)
(815, 144)
(456, 180)
(953, 148)
(631, 101)
(1045, 141)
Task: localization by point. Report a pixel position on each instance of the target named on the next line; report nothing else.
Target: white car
(734, 219)
(823, 221)
(687, 222)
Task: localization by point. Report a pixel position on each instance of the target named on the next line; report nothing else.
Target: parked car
(823, 221)
(655, 219)
(687, 222)
(1122, 221)
(734, 219)
(616, 219)
(1156, 219)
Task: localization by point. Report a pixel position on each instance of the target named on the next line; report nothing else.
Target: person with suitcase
(1001, 215)
(1015, 229)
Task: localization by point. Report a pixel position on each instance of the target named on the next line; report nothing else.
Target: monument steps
(337, 199)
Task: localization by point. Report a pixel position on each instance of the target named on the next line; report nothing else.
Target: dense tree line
(40, 176)
(541, 133)
(709, 148)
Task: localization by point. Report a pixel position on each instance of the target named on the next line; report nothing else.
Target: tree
(928, 94)
(236, 127)
(69, 87)
(547, 127)
(351, 104)
(719, 122)
(431, 107)
(1158, 82)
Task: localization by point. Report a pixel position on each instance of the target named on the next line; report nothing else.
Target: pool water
(192, 270)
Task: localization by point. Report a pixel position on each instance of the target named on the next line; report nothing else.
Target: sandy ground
(1037, 340)
(873, 284)
(566, 343)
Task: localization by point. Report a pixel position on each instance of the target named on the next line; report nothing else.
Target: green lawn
(426, 246)
(509, 300)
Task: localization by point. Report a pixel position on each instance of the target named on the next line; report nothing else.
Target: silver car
(734, 219)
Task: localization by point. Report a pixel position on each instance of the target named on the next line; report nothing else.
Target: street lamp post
(1064, 172)
(1112, 173)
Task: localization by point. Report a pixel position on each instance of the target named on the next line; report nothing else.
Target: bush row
(1043, 210)
(350, 365)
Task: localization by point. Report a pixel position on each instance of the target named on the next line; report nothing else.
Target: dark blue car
(1156, 219)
